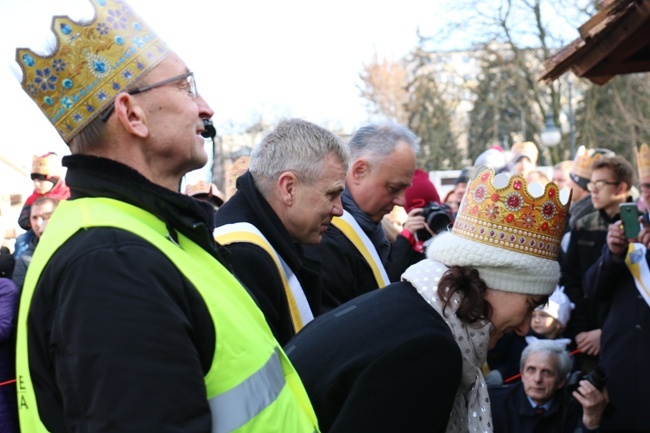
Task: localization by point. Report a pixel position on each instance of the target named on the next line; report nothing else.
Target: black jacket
(383, 362)
(513, 413)
(119, 340)
(625, 342)
(345, 272)
(256, 269)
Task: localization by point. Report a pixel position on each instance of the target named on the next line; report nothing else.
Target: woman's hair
(472, 288)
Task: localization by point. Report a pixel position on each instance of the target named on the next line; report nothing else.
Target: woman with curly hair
(408, 357)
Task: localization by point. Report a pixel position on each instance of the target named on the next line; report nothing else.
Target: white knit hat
(501, 269)
(559, 306)
(509, 231)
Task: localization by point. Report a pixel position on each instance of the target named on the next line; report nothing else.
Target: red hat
(421, 192)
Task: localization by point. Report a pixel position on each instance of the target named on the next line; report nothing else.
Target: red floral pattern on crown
(511, 217)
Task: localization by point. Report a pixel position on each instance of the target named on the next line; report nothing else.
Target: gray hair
(298, 146)
(376, 141)
(90, 137)
(550, 348)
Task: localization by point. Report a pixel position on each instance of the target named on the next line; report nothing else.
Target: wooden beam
(606, 68)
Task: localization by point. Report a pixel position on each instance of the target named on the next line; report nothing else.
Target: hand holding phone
(630, 219)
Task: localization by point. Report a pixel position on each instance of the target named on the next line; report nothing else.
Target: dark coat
(587, 240)
(256, 269)
(115, 330)
(513, 413)
(625, 342)
(383, 362)
(345, 272)
(9, 294)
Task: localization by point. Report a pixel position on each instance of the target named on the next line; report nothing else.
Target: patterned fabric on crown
(48, 165)
(505, 212)
(583, 161)
(90, 65)
(643, 161)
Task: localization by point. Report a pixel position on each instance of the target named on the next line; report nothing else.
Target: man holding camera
(542, 403)
(621, 277)
(426, 218)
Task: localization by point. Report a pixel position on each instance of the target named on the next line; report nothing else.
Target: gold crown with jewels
(643, 160)
(583, 161)
(506, 212)
(90, 65)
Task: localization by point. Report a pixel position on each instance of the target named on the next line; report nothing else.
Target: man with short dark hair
(287, 199)
(541, 403)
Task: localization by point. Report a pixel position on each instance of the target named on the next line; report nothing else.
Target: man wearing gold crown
(408, 357)
(621, 277)
(128, 319)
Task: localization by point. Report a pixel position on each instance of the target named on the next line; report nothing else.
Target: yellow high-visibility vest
(251, 385)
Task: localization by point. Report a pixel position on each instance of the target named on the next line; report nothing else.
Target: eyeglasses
(599, 184)
(188, 77)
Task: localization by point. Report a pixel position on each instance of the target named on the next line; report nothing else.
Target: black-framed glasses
(188, 77)
(599, 184)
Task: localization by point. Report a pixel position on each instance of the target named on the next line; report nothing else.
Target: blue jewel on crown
(67, 83)
(116, 86)
(119, 40)
(99, 67)
(67, 102)
(48, 100)
(28, 60)
(66, 29)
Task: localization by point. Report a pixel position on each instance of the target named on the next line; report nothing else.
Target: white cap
(559, 306)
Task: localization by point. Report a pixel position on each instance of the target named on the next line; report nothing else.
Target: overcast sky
(252, 59)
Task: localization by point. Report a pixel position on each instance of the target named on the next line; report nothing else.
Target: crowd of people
(515, 303)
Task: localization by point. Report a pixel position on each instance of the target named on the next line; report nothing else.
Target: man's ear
(562, 383)
(623, 188)
(359, 169)
(131, 115)
(287, 183)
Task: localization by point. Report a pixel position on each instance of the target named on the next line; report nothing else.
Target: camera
(597, 377)
(438, 217)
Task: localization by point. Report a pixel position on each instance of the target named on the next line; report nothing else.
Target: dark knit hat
(421, 192)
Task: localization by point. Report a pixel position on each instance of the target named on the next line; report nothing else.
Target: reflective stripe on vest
(299, 309)
(246, 389)
(351, 229)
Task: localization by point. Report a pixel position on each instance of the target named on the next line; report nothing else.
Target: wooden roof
(614, 41)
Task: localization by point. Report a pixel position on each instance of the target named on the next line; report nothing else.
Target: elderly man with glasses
(610, 185)
(129, 319)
